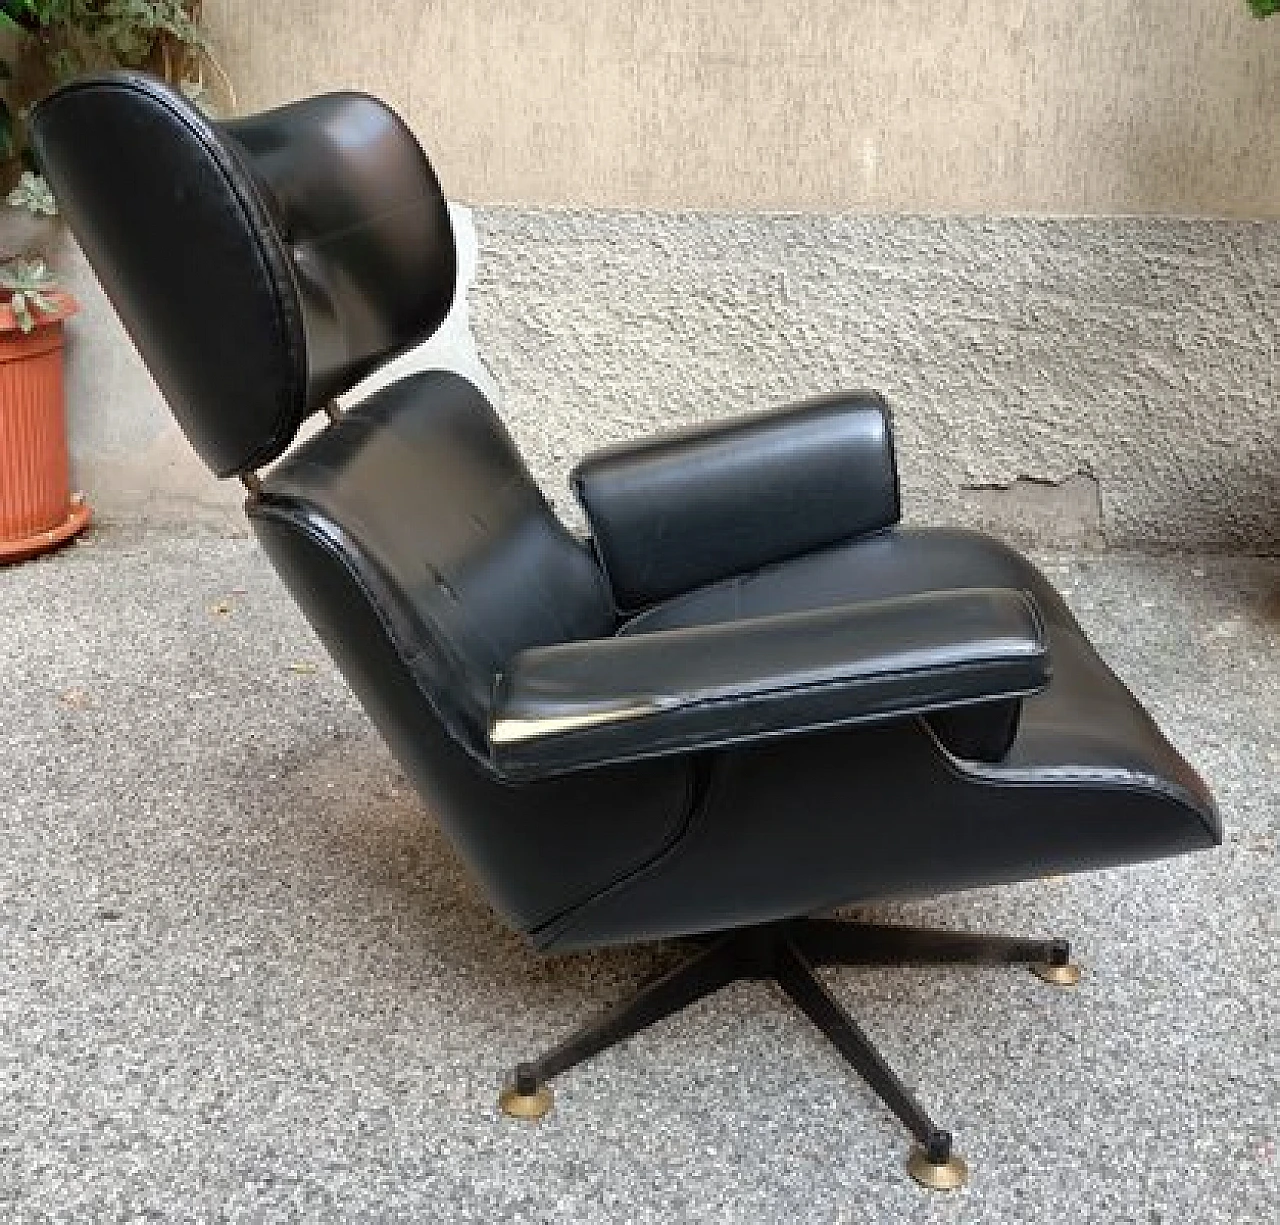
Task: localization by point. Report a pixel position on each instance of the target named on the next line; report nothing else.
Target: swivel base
(788, 953)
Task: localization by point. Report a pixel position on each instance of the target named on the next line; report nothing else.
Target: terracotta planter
(37, 511)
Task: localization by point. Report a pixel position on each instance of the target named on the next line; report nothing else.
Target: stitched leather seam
(1037, 618)
(1120, 781)
(1119, 778)
(320, 241)
(886, 413)
(597, 546)
(275, 264)
(696, 805)
(943, 671)
(282, 513)
(684, 809)
(604, 540)
(735, 582)
(528, 771)
(281, 271)
(886, 713)
(305, 463)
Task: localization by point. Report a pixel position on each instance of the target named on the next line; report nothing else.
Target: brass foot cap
(525, 1105)
(1060, 976)
(937, 1176)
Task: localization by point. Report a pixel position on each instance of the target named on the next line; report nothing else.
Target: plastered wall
(993, 106)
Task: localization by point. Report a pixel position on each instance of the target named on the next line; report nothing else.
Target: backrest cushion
(260, 266)
(422, 490)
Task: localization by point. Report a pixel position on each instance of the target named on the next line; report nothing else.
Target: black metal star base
(787, 953)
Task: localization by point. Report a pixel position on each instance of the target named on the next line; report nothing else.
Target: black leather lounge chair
(749, 698)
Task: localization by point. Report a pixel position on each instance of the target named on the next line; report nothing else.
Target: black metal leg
(831, 942)
(797, 979)
(700, 976)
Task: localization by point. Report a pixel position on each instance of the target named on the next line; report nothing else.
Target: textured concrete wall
(1098, 106)
(1106, 381)
(1131, 362)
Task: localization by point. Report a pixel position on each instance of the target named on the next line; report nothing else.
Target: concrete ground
(245, 979)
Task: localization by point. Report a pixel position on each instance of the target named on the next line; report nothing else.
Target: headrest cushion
(261, 266)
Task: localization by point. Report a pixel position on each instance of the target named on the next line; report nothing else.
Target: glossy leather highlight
(260, 266)
(424, 556)
(580, 705)
(424, 482)
(358, 208)
(1085, 723)
(803, 824)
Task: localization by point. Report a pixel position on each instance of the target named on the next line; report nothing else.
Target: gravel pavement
(244, 978)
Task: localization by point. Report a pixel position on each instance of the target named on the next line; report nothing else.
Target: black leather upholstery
(365, 226)
(260, 266)
(475, 565)
(1085, 724)
(264, 265)
(676, 512)
(796, 826)
(578, 705)
(425, 556)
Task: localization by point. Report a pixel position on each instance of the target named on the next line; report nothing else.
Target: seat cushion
(901, 561)
(1086, 725)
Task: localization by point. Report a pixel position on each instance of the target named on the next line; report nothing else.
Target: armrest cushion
(586, 704)
(673, 513)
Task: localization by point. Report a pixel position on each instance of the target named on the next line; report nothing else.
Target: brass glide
(937, 1175)
(526, 1099)
(1066, 975)
(1057, 969)
(790, 953)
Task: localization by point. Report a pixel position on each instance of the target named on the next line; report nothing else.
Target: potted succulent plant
(43, 43)
(37, 509)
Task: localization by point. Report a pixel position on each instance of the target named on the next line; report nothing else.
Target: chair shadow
(398, 858)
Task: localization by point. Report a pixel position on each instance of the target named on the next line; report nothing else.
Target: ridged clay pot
(37, 509)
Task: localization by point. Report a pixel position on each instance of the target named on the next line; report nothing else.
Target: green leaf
(25, 15)
(65, 63)
(23, 275)
(1265, 8)
(28, 283)
(8, 138)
